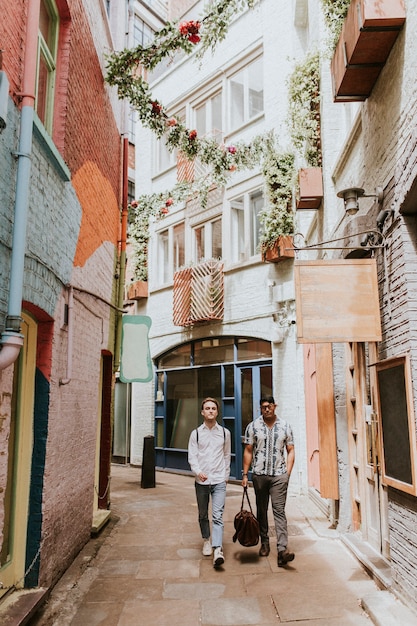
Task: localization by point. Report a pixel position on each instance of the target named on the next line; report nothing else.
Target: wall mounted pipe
(11, 339)
(70, 337)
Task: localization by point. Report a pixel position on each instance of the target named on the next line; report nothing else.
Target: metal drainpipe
(11, 339)
(123, 239)
(65, 381)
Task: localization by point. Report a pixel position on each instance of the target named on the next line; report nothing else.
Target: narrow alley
(146, 568)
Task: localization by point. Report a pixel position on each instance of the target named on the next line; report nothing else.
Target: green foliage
(334, 14)
(125, 70)
(277, 217)
(304, 109)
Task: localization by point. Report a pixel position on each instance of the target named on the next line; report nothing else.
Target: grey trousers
(275, 487)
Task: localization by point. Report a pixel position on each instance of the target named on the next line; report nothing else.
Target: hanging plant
(277, 218)
(334, 12)
(304, 109)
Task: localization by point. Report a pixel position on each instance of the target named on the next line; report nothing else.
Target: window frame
(207, 239)
(48, 51)
(244, 238)
(244, 69)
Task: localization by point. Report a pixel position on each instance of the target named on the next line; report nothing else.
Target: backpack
(246, 525)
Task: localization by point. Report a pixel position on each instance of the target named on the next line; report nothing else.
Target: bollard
(148, 462)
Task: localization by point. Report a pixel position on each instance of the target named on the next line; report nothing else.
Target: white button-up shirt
(211, 454)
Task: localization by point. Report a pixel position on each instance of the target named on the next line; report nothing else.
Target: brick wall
(72, 236)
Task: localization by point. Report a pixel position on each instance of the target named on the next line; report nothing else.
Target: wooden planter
(310, 188)
(368, 34)
(282, 249)
(138, 290)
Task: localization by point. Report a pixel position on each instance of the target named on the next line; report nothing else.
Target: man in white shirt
(209, 453)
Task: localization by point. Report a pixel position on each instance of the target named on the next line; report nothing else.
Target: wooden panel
(368, 35)
(310, 188)
(337, 301)
(312, 419)
(329, 479)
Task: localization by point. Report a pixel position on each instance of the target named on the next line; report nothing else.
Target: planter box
(138, 290)
(310, 188)
(368, 35)
(283, 249)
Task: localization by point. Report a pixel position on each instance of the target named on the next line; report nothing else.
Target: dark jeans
(275, 487)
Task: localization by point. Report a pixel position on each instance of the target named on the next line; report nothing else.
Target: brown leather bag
(246, 525)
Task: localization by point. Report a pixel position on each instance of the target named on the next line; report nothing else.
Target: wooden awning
(337, 301)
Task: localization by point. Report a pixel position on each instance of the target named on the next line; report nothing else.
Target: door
(369, 497)
(254, 382)
(312, 420)
(16, 497)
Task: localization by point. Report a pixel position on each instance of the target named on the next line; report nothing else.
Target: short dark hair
(269, 399)
(210, 400)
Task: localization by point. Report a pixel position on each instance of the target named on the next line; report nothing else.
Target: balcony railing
(199, 293)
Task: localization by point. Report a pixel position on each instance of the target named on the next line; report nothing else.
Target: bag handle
(245, 493)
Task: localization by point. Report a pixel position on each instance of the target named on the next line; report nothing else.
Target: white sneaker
(207, 549)
(218, 557)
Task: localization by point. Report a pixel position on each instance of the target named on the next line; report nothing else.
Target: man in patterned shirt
(269, 447)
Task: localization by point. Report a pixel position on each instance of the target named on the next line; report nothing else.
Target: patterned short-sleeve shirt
(269, 446)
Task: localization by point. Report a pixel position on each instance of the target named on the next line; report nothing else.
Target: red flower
(194, 38)
(156, 107)
(231, 149)
(192, 135)
(134, 204)
(190, 30)
(172, 122)
(169, 202)
(164, 210)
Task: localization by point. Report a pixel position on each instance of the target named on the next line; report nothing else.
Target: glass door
(254, 382)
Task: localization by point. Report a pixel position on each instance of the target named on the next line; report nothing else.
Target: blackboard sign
(397, 424)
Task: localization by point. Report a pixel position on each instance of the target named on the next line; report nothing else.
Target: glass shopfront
(236, 371)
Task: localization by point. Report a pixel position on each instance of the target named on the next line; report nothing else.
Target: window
(170, 252)
(130, 191)
(246, 94)
(256, 204)
(142, 32)
(163, 256)
(132, 121)
(208, 118)
(166, 158)
(47, 57)
(238, 230)
(245, 226)
(208, 240)
(179, 253)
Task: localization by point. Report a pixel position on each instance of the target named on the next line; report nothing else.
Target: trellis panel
(198, 294)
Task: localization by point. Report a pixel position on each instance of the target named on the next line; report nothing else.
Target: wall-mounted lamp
(351, 197)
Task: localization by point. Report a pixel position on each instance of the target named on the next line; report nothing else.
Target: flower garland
(124, 70)
(207, 32)
(276, 219)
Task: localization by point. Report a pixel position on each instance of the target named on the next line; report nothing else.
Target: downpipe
(12, 339)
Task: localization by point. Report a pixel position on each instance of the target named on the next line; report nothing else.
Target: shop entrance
(219, 368)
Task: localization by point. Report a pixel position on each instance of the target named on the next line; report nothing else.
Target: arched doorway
(235, 370)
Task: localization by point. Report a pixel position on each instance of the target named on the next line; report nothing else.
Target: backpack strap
(224, 435)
